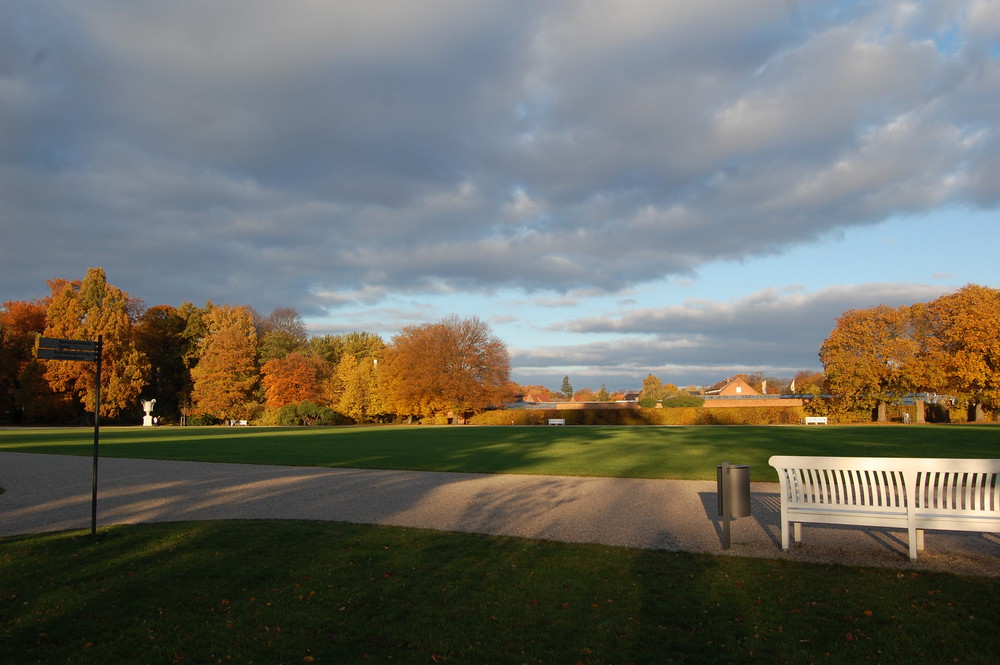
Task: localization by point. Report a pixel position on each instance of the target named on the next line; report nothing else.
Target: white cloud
(330, 156)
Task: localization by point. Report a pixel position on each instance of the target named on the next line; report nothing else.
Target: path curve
(53, 493)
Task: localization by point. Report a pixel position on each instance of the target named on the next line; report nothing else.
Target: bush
(305, 413)
(682, 401)
(684, 415)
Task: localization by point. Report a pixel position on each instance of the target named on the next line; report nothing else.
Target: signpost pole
(97, 435)
(50, 348)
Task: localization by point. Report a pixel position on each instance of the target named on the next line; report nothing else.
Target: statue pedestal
(147, 420)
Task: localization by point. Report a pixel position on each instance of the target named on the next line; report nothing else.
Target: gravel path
(53, 492)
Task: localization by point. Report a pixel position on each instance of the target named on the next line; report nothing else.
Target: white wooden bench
(557, 421)
(906, 493)
(815, 420)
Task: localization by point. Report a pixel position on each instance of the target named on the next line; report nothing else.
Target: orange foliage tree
(20, 324)
(84, 310)
(870, 355)
(226, 375)
(965, 344)
(291, 380)
(453, 365)
(949, 346)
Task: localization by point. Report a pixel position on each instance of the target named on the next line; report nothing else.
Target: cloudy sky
(617, 188)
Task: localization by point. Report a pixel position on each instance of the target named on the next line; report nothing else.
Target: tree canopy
(86, 310)
(229, 362)
(948, 346)
(455, 365)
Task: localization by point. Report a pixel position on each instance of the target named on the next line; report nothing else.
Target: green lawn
(641, 452)
(300, 592)
(303, 592)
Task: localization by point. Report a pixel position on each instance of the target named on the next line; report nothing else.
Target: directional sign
(68, 349)
(78, 344)
(68, 354)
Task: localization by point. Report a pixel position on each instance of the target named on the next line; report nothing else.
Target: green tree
(284, 332)
(159, 335)
(85, 310)
(678, 401)
(567, 388)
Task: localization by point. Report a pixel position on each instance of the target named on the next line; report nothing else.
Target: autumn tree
(870, 356)
(225, 377)
(291, 380)
(652, 389)
(808, 383)
(963, 345)
(85, 310)
(358, 396)
(453, 365)
(540, 391)
(20, 324)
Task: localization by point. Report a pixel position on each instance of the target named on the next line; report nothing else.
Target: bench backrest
(930, 485)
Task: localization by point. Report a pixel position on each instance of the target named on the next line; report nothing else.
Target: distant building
(735, 386)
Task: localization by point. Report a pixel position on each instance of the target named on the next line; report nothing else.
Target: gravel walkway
(53, 493)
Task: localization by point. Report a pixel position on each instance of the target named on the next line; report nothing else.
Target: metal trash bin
(737, 492)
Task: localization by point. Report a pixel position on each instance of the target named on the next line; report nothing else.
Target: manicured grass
(642, 452)
(300, 592)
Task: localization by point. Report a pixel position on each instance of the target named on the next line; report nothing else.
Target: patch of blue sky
(950, 248)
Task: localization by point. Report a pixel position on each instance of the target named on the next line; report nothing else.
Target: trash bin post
(727, 508)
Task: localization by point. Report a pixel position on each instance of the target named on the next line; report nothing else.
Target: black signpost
(85, 351)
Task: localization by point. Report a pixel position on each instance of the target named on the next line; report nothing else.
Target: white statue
(147, 405)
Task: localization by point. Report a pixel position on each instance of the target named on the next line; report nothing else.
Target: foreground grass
(301, 592)
(640, 452)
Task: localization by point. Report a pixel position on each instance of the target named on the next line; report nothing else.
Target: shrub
(304, 413)
(201, 420)
(752, 415)
(683, 401)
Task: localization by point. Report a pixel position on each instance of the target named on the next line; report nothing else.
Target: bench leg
(920, 539)
(797, 531)
(915, 538)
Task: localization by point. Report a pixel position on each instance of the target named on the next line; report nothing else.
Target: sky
(617, 188)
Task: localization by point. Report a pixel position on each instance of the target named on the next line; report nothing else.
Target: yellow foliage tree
(85, 310)
(965, 344)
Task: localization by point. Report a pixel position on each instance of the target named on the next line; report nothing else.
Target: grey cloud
(311, 155)
(776, 332)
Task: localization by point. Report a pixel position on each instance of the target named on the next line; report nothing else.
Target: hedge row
(750, 415)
